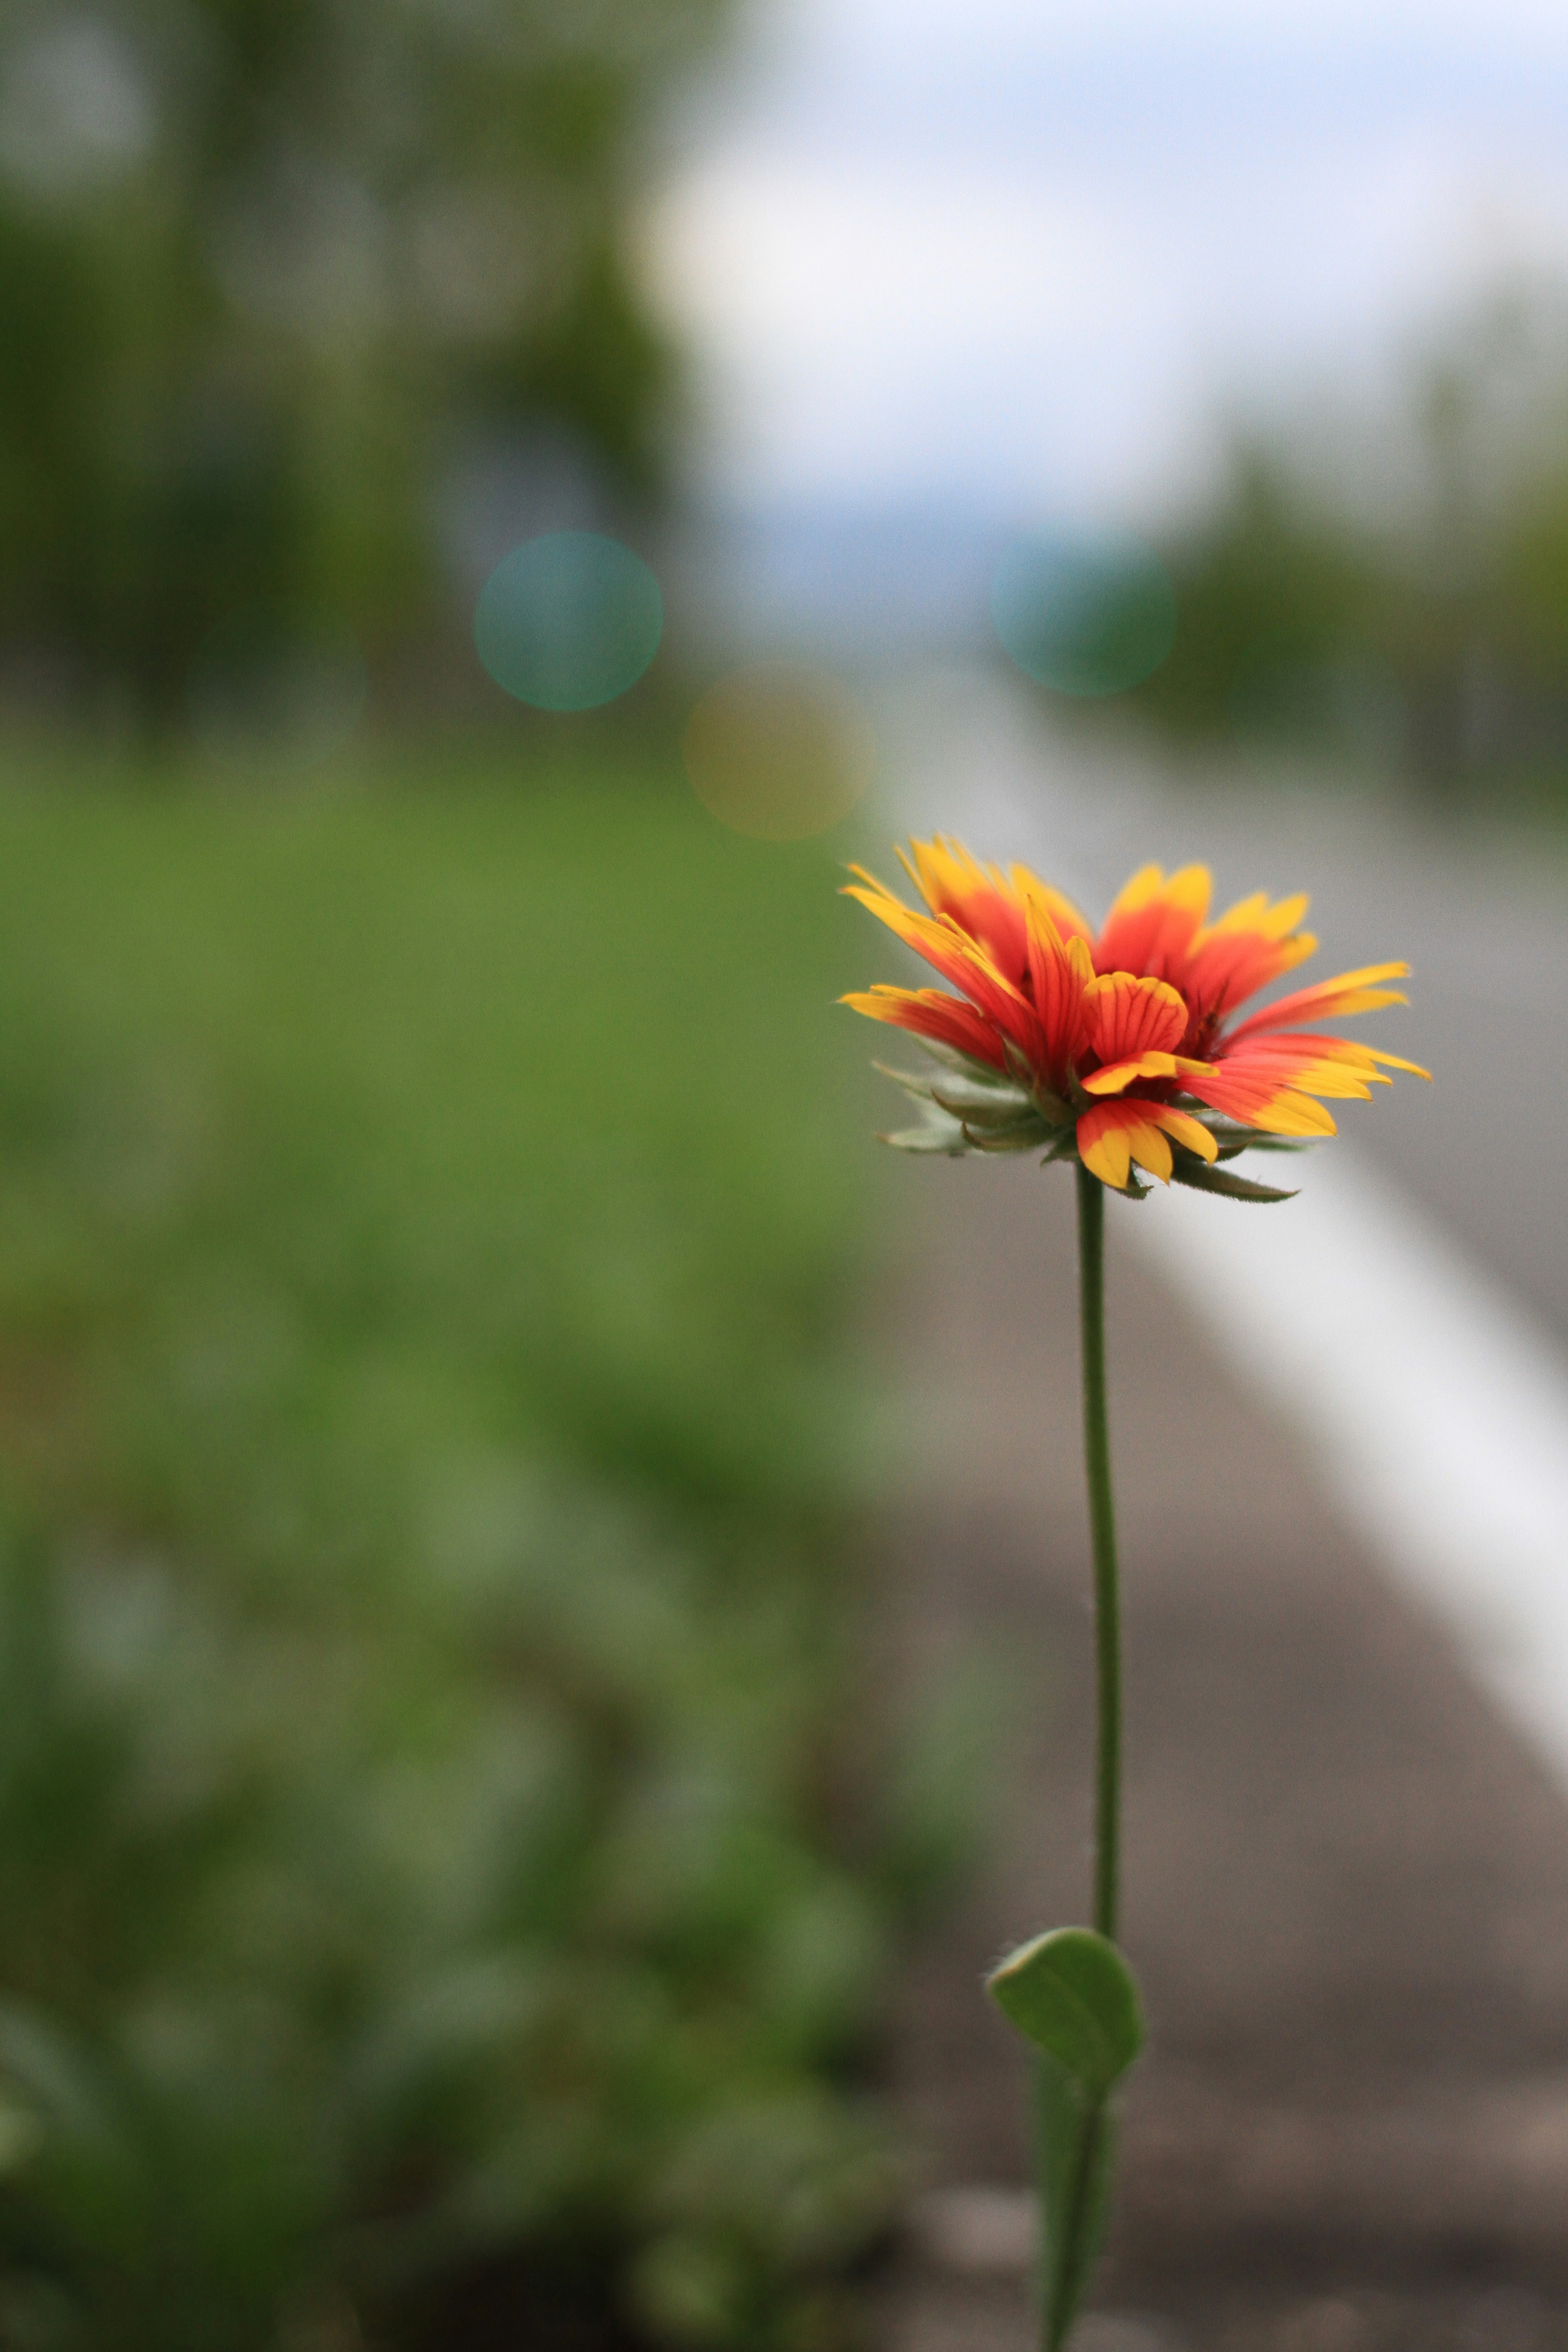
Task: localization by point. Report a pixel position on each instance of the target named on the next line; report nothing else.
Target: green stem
(1102, 1529)
(1062, 2305)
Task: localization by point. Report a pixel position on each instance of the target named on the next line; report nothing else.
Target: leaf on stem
(1076, 2140)
(1072, 1995)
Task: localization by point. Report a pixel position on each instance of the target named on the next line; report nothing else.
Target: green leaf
(1201, 1179)
(1072, 1995)
(1076, 2146)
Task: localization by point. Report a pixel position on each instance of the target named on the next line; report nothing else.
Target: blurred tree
(1263, 581)
(267, 264)
(1395, 595)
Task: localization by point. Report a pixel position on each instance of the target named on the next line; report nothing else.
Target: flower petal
(1314, 1074)
(1114, 1134)
(1255, 915)
(1310, 1046)
(1151, 924)
(1124, 1016)
(1117, 1077)
(1226, 969)
(1059, 973)
(1264, 1102)
(1349, 991)
(1185, 1129)
(1316, 1065)
(931, 1013)
(1102, 1144)
(978, 898)
(960, 959)
(1149, 1149)
(1063, 914)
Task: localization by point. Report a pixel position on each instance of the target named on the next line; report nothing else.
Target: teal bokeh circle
(569, 620)
(1086, 616)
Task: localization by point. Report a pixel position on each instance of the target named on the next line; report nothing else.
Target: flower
(1120, 1051)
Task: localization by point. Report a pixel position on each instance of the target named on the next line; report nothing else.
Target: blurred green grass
(435, 1894)
(334, 1119)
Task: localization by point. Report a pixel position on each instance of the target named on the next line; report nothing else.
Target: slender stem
(1102, 1529)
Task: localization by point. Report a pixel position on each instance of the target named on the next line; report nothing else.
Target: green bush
(426, 1240)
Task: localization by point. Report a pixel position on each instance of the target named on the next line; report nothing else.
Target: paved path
(1347, 1881)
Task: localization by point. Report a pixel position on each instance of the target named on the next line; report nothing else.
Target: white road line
(1438, 1408)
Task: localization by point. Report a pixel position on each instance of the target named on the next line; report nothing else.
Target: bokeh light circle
(278, 684)
(779, 750)
(1085, 616)
(569, 620)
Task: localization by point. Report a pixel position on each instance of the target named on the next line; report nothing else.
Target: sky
(999, 256)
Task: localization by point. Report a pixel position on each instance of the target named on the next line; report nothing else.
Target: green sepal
(976, 1111)
(1072, 1995)
(964, 1065)
(959, 1085)
(1076, 2145)
(947, 1138)
(1231, 1137)
(989, 1141)
(1018, 1064)
(973, 1107)
(989, 1116)
(918, 1083)
(1200, 1178)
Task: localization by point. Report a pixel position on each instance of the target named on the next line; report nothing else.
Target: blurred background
(526, 1543)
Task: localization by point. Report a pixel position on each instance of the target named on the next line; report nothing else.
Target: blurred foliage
(1392, 595)
(438, 1899)
(270, 267)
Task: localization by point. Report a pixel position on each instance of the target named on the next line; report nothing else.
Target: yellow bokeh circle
(778, 749)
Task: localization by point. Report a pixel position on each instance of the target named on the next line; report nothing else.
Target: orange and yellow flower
(1121, 1051)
